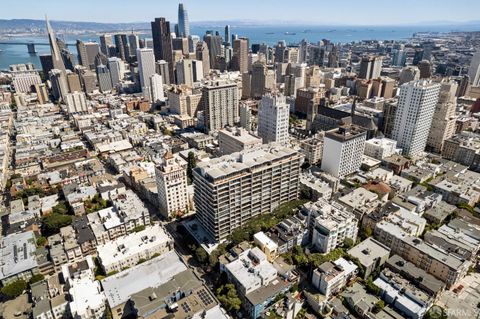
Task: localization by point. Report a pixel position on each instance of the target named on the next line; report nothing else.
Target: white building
(331, 276)
(76, 102)
(146, 68)
(172, 185)
(251, 270)
(184, 69)
(231, 140)
(474, 69)
(127, 251)
(380, 148)
(24, 81)
(156, 83)
(116, 67)
(343, 150)
(330, 225)
(413, 118)
(87, 300)
(273, 115)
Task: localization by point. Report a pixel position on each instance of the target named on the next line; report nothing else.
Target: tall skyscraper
(259, 75)
(114, 65)
(185, 72)
(214, 44)
(343, 150)
(59, 82)
(240, 55)
(171, 178)
(203, 55)
(162, 44)
(122, 47)
(220, 104)
(231, 189)
(273, 116)
(87, 51)
(228, 35)
(474, 69)
(57, 61)
(413, 118)
(133, 43)
(146, 68)
(443, 123)
(106, 41)
(104, 78)
(183, 23)
(370, 67)
(161, 67)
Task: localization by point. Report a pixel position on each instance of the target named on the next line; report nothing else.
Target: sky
(322, 12)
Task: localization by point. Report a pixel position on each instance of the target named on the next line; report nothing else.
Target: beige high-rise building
(172, 185)
(203, 55)
(443, 123)
(259, 74)
(231, 189)
(73, 80)
(183, 100)
(240, 55)
(220, 104)
(42, 93)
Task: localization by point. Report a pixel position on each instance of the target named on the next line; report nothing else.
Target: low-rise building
(331, 276)
(330, 225)
(234, 139)
(127, 251)
(371, 254)
(18, 258)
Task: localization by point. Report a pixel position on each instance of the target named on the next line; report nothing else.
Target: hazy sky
(356, 12)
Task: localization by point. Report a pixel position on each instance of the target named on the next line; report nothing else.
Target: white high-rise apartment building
(343, 150)
(231, 189)
(156, 83)
(273, 115)
(413, 118)
(146, 68)
(172, 185)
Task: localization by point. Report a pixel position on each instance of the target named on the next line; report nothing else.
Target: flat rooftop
(17, 254)
(153, 273)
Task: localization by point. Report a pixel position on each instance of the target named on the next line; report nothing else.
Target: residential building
(380, 148)
(221, 208)
(343, 150)
(171, 178)
(234, 139)
(330, 225)
(371, 254)
(414, 114)
(220, 104)
(443, 122)
(273, 119)
(331, 276)
(134, 248)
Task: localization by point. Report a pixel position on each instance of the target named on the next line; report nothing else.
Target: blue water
(14, 54)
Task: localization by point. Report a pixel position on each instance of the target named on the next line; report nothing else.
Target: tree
(201, 255)
(436, 312)
(348, 243)
(379, 305)
(14, 289)
(192, 163)
(371, 287)
(36, 278)
(60, 208)
(228, 297)
(52, 223)
(41, 241)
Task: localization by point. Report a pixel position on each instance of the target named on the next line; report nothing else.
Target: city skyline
(283, 12)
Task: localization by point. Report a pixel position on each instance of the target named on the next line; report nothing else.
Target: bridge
(31, 45)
